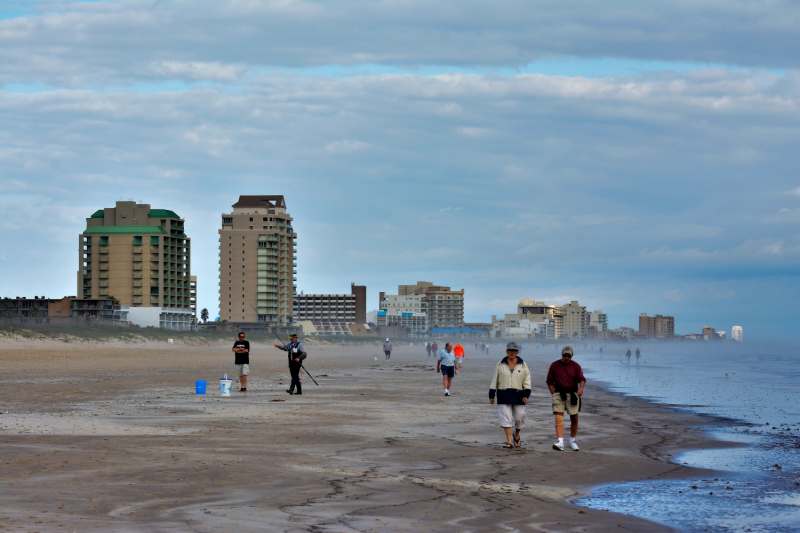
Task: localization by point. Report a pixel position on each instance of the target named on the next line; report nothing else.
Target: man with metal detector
(296, 352)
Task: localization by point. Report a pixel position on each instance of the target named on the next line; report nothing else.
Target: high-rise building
(598, 320)
(656, 327)
(709, 333)
(736, 333)
(138, 255)
(574, 321)
(360, 292)
(444, 307)
(257, 262)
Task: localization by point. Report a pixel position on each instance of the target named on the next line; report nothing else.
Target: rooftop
(275, 200)
(124, 230)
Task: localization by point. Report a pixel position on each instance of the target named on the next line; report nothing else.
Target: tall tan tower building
(140, 256)
(257, 262)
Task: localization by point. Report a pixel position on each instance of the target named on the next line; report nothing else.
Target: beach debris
(694, 487)
(777, 466)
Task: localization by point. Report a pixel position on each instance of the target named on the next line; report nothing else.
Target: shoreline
(374, 441)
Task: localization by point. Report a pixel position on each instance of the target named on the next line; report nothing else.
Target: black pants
(294, 370)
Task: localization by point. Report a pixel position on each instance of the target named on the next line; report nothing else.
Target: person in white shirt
(446, 364)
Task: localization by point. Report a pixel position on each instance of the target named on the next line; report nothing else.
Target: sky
(639, 157)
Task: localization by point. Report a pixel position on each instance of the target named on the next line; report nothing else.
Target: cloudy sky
(635, 156)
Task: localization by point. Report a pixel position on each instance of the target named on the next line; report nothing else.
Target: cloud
(197, 70)
(345, 146)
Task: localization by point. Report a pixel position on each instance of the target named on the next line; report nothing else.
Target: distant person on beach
(241, 360)
(428, 348)
(446, 363)
(511, 385)
(296, 352)
(387, 348)
(628, 354)
(434, 347)
(459, 351)
(601, 350)
(638, 354)
(565, 381)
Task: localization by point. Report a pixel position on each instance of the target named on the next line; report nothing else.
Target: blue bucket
(200, 387)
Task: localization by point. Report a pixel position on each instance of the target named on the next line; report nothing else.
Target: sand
(112, 437)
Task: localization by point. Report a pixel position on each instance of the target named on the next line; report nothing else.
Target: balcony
(137, 266)
(136, 300)
(137, 250)
(103, 250)
(103, 292)
(137, 292)
(154, 249)
(103, 267)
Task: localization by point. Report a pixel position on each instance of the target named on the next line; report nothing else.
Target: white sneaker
(559, 447)
(447, 393)
(574, 446)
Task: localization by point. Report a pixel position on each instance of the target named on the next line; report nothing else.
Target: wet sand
(112, 437)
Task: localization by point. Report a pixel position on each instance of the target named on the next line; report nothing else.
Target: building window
(153, 240)
(227, 220)
(137, 240)
(87, 240)
(251, 219)
(103, 240)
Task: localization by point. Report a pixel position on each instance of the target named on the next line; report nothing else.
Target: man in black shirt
(242, 360)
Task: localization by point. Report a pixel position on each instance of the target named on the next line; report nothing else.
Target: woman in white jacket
(511, 386)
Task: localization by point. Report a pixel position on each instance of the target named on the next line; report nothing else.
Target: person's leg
(449, 382)
(508, 435)
(519, 421)
(560, 425)
(573, 426)
(444, 381)
(243, 381)
(506, 421)
(295, 378)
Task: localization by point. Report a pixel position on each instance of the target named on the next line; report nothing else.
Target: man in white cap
(387, 348)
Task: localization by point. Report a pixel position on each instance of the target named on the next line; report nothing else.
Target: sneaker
(447, 393)
(559, 447)
(574, 446)
(244, 389)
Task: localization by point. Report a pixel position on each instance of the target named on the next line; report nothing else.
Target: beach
(112, 437)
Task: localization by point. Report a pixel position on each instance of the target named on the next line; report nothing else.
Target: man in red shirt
(565, 381)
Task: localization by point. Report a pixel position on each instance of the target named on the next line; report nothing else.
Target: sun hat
(512, 346)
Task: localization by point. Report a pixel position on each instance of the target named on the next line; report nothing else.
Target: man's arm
(580, 387)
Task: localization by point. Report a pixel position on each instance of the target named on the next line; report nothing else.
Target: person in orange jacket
(459, 351)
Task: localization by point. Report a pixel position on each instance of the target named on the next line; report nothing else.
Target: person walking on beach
(429, 348)
(511, 386)
(434, 347)
(241, 360)
(387, 348)
(628, 354)
(459, 351)
(296, 352)
(565, 381)
(446, 364)
(638, 354)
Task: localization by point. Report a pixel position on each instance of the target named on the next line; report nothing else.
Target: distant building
(257, 244)
(736, 333)
(138, 255)
(444, 307)
(360, 292)
(330, 314)
(574, 321)
(721, 335)
(193, 297)
(598, 320)
(656, 327)
(40, 306)
(534, 312)
(414, 323)
(709, 333)
(624, 333)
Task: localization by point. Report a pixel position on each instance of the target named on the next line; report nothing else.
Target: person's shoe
(243, 389)
(574, 446)
(447, 393)
(559, 447)
(290, 392)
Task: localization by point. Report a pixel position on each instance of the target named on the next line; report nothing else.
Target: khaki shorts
(242, 370)
(565, 406)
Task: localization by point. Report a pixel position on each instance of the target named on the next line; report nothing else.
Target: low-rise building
(625, 333)
(531, 311)
(415, 323)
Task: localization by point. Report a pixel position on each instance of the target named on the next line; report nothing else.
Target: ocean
(756, 388)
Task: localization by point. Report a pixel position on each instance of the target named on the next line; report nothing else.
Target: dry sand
(112, 437)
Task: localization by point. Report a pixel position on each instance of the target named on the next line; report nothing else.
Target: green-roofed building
(140, 256)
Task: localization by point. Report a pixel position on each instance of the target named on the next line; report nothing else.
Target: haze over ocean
(637, 157)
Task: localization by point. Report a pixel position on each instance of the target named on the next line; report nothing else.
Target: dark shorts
(387, 352)
(448, 371)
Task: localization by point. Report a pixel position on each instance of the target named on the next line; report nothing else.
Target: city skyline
(514, 151)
